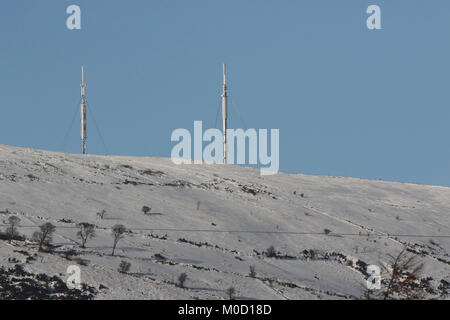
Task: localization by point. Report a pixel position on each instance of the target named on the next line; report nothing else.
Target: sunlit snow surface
(218, 201)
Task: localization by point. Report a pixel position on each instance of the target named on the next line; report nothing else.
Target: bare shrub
(124, 267)
(271, 252)
(69, 253)
(405, 272)
(252, 272)
(231, 291)
(101, 214)
(146, 210)
(182, 279)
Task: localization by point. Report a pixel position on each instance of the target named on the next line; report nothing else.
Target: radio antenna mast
(224, 113)
(83, 112)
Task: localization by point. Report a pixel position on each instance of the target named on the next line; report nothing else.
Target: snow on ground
(228, 207)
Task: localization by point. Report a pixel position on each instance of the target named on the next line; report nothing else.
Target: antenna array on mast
(83, 112)
(224, 113)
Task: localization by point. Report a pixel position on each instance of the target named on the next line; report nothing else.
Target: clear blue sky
(348, 101)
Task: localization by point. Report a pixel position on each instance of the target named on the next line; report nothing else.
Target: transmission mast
(224, 113)
(83, 112)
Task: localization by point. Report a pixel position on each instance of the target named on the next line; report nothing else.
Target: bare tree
(405, 272)
(44, 237)
(118, 231)
(11, 230)
(87, 231)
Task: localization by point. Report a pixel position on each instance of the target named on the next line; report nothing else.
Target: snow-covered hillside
(209, 221)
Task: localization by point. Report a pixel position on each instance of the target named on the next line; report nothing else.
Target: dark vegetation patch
(137, 183)
(179, 183)
(86, 181)
(16, 237)
(126, 166)
(12, 177)
(211, 185)
(155, 236)
(444, 287)
(209, 245)
(159, 257)
(150, 172)
(254, 190)
(32, 177)
(18, 284)
(28, 257)
(197, 244)
(272, 253)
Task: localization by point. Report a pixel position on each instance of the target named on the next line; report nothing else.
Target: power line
(216, 124)
(97, 127)
(64, 143)
(259, 232)
(233, 103)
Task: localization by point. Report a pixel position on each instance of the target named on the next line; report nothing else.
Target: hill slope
(208, 221)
